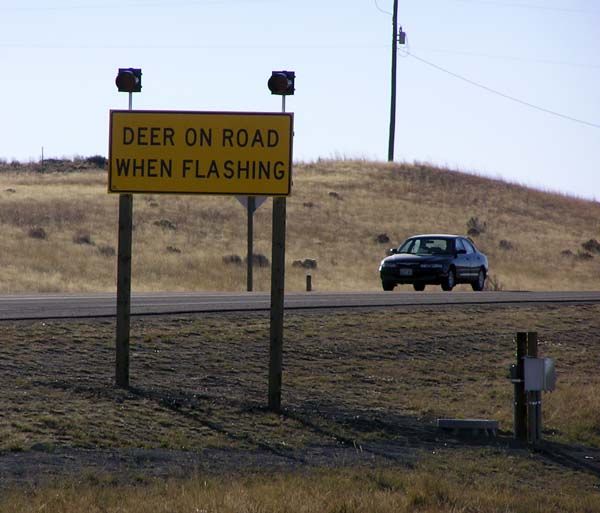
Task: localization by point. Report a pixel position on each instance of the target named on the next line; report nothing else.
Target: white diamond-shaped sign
(258, 201)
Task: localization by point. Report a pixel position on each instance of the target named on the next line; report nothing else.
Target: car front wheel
(480, 283)
(419, 287)
(388, 285)
(449, 281)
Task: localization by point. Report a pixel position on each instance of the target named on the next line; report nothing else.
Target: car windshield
(426, 246)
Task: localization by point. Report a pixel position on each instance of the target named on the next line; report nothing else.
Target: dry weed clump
(107, 251)
(258, 260)
(232, 260)
(166, 224)
(506, 245)
(592, 246)
(307, 263)
(493, 283)
(584, 255)
(37, 233)
(475, 227)
(83, 237)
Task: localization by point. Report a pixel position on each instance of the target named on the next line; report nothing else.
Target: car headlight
(385, 263)
(432, 266)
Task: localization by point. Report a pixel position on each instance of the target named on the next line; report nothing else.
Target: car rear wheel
(480, 283)
(388, 285)
(449, 281)
(419, 287)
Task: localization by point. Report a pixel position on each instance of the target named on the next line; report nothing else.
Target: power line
(43, 46)
(527, 6)
(380, 9)
(513, 58)
(146, 3)
(290, 46)
(504, 95)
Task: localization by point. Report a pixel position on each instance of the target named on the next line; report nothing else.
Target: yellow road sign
(200, 152)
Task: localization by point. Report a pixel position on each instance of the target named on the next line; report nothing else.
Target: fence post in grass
(124, 290)
(518, 378)
(277, 307)
(534, 398)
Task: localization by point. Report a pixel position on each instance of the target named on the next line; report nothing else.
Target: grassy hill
(59, 229)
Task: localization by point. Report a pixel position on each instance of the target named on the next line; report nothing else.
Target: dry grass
(474, 481)
(338, 230)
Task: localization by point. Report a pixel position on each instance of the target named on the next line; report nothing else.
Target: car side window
(407, 247)
(468, 246)
(458, 245)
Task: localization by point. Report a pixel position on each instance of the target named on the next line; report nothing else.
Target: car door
(461, 262)
(472, 263)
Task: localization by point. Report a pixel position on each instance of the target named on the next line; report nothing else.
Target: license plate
(406, 272)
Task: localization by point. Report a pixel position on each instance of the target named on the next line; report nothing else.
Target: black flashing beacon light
(129, 80)
(282, 83)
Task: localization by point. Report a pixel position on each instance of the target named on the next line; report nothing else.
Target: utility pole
(393, 99)
(398, 38)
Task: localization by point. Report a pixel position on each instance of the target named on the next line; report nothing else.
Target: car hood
(416, 259)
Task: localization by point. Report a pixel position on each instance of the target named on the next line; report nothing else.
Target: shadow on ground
(325, 436)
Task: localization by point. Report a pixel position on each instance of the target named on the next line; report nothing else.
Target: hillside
(59, 228)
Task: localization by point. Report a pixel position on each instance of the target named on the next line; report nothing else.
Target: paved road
(52, 306)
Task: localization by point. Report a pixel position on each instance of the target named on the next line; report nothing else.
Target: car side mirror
(393, 251)
(461, 252)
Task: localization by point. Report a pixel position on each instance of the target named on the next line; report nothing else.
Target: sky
(503, 88)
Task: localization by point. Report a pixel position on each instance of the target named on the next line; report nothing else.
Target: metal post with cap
(517, 375)
(128, 80)
(280, 83)
(534, 397)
